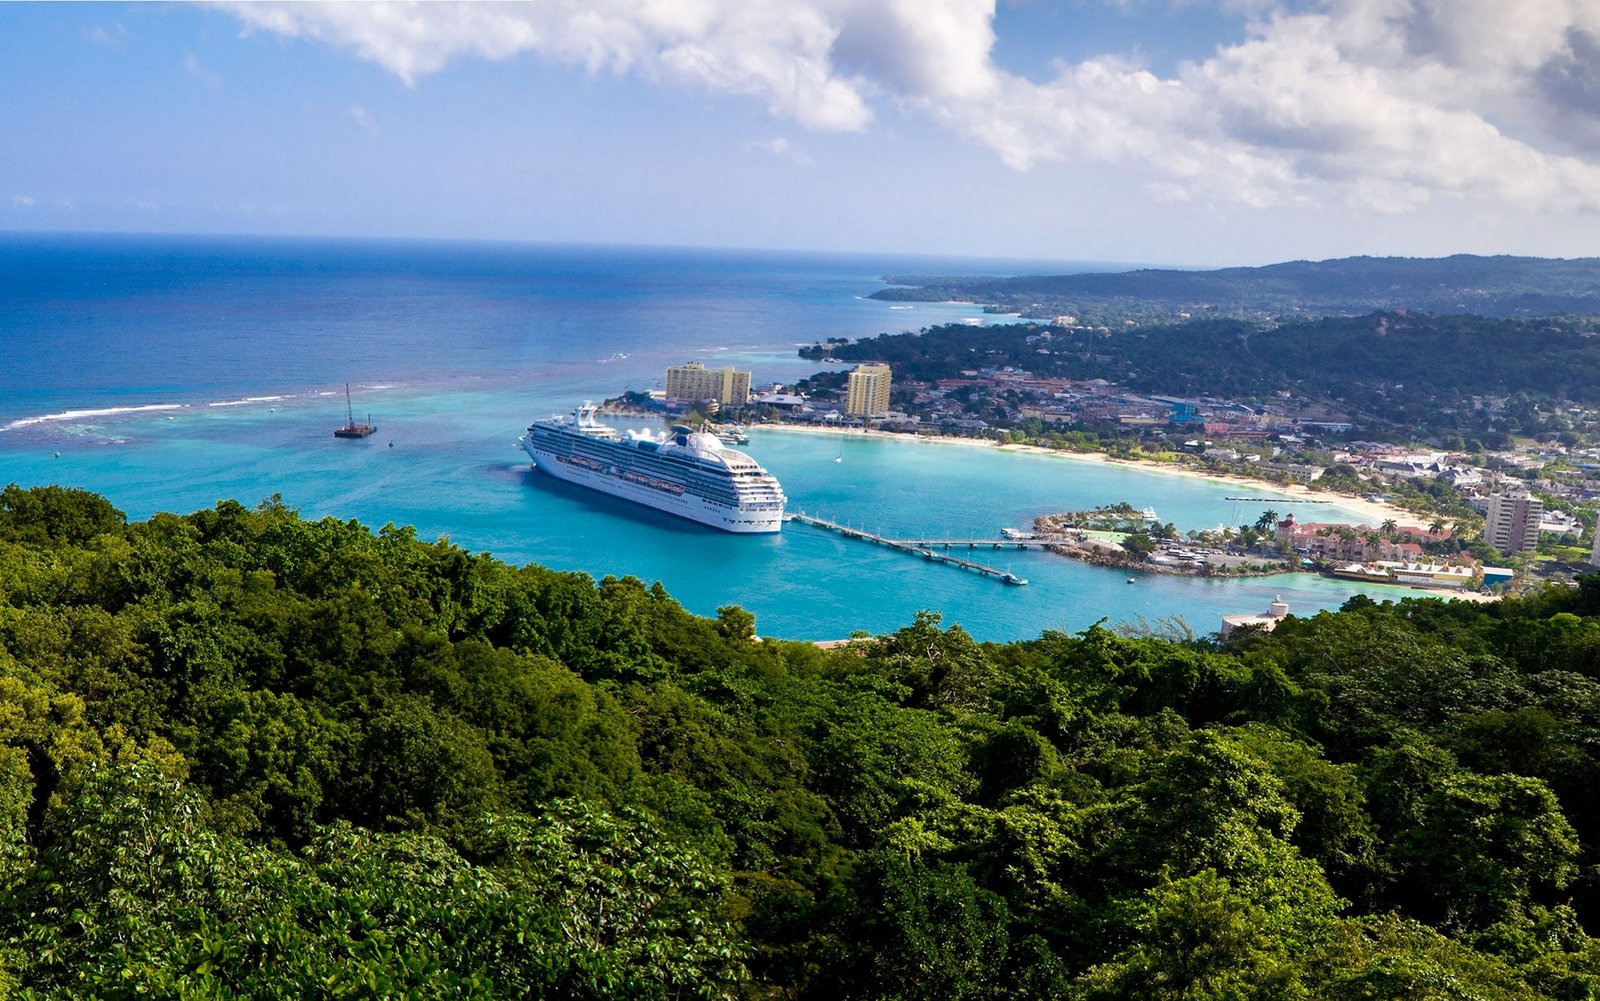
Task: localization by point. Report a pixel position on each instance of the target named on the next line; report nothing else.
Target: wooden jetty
(1275, 500)
(921, 547)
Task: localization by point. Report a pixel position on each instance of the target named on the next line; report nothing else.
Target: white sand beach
(1372, 512)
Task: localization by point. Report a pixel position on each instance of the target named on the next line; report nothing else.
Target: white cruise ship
(689, 473)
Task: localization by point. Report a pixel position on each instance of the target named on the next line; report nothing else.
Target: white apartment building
(1512, 522)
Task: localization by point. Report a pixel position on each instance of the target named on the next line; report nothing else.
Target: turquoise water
(452, 360)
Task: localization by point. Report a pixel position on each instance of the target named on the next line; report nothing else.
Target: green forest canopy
(1410, 369)
(243, 754)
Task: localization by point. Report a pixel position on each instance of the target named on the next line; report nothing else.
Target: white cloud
(1386, 104)
(22, 201)
(363, 118)
(781, 148)
(112, 38)
(191, 62)
(777, 52)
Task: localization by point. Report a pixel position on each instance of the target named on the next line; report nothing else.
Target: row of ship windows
(753, 506)
(710, 486)
(654, 465)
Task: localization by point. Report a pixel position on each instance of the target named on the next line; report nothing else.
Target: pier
(923, 547)
(983, 543)
(1274, 500)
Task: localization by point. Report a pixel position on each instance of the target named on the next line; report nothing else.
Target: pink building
(1337, 541)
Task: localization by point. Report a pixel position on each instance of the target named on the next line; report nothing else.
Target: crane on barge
(351, 429)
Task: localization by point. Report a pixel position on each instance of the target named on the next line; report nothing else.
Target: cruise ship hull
(684, 505)
(619, 469)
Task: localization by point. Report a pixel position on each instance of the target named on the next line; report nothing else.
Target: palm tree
(1389, 529)
(1268, 519)
(1436, 527)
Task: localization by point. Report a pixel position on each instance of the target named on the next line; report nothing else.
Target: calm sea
(168, 373)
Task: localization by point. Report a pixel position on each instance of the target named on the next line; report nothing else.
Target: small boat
(1133, 580)
(351, 429)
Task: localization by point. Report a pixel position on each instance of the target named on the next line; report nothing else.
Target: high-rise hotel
(693, 382)
(1511, 524)
(868, 393)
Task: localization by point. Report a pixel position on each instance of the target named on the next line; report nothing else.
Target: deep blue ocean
(171, 372)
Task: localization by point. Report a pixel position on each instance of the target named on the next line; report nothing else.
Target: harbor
(921, 547)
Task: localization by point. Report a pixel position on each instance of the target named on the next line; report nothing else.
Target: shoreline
(1376, 512)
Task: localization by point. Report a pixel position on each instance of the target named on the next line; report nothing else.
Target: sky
(1197, 133)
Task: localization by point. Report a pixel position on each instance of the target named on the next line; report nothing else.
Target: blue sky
(1154, 131)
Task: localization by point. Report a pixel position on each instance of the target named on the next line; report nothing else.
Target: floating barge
(351, 429)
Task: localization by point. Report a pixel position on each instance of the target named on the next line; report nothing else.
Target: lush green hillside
(1486, 286)
(247, 755)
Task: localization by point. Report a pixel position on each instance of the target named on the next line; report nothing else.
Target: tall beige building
(1511, 524)
(693, 381)
(868, 390)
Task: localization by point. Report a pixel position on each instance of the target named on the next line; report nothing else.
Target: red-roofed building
(1338, 541)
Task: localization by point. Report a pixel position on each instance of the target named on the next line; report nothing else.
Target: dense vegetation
(1405, 370)
(247, 755)
(1487, 286)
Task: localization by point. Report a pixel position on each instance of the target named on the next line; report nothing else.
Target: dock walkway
(921, 547)
(1039, 543)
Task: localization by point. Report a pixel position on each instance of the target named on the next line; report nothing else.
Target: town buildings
(694, 382)
(868, 391)
(1335, 541)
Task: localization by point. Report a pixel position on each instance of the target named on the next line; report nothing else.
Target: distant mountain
(1484, 286)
